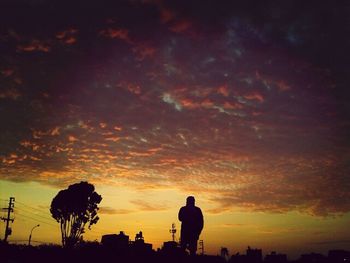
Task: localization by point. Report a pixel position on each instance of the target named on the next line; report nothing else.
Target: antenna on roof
(173, 231)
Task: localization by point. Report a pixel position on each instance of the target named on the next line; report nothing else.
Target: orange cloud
(71, 138)
(154, 150)
(166, 15)
(55, 131)
(71, 40)
(7, 72)
(146, 206)
(141, 154)
(118, 33)
(65, 33)
(143, 51)
(207, 103)
(180, 26)
(133, 88)
(67, 36)
(113, 139)
(34, 45)
(281, 84)
(112, 211)
(189, 104)
(103, 125)
(11, 93)
(35, 158)
(254, 96)
(232, 106)
(223, 90)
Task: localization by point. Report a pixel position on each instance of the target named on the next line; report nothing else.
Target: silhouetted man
(192, 224)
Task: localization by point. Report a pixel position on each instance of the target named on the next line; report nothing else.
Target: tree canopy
(73, 208)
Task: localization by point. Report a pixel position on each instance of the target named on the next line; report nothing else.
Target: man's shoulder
(183, 208)
(198, 209)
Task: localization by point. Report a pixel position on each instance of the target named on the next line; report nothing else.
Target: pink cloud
(143, 51)
(119, 33)
(68, 36)
(34, 45)
(11, 93)
(7, 72)
(166, 15)
(223, 90)
(254, 96)
(180, 26)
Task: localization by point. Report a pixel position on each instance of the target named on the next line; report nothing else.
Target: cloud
(280, 193)
(218, 210)
(72, 138)
(223, 90)
(168, 98)
(11, 93)
(143, 51)
(112, 211)
(146, 206)
(166, 15)
(68, 36)
(7, 72)
(118, 33)
(254, 96)
(143, 103)
(134, 88)
(180, 26)
(332, 242)
(234, 225)
(34, 45)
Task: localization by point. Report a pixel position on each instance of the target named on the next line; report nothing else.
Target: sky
(243, 104)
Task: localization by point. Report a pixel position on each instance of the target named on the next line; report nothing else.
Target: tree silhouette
(73, 208)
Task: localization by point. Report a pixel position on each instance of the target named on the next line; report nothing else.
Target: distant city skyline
(243, 105)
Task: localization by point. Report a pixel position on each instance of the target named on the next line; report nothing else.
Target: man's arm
(200, 220)
(180, 215)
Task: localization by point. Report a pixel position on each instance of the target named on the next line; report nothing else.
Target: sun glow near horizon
(153, 212)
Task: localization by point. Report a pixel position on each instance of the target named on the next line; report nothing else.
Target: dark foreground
(96, 253)
(93, 254)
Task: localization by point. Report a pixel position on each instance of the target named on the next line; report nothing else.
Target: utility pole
(7, 219)
(201, 247)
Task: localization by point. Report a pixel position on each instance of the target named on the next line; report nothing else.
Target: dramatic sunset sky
(244, 106)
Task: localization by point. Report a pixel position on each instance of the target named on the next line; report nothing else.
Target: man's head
(190, 201)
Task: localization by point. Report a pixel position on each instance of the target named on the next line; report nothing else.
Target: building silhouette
(313, 257)
(116, 241)
(273, 257)
(251, 256)
(254, 255)
(139, 246)
(339, 256)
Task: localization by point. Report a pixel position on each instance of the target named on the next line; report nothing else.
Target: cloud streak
(221, 109)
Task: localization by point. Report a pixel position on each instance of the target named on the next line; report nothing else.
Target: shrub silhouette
(73, 208)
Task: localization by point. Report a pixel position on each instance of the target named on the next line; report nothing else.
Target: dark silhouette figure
(192, 224)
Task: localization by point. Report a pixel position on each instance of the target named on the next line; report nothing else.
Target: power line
(33, 213)
(91, 231)
(32, 207)
(35, 219)
(26, 211)
(93, 228)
